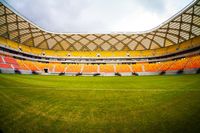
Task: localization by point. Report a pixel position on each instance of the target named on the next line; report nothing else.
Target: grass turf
(30, 103)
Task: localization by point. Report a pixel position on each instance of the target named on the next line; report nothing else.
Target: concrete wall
(11, 71)
(107, 74)
(148, 73)
(126, 74)
(186, 71)
(25, 72)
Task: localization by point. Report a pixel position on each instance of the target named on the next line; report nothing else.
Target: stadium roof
(181, 27)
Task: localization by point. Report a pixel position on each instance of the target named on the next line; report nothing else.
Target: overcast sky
(98, 16)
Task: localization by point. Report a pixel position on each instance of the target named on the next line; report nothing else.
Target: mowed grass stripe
(30, 103)
(98, 89)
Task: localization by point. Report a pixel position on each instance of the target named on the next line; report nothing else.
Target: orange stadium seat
(194, 62)
(10, 60)
(107, 68)
(164, 66)
(60, 68)
(179, 64)
(1, 59)
(123, 68)
(73, 68)
(5, 66)
(137, 67)
(90, 68)
(22, 65)
(152, 67)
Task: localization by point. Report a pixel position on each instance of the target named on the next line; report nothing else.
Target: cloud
(98, 15)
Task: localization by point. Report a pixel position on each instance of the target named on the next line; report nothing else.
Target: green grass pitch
(163, 104)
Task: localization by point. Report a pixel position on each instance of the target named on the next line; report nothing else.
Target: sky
(97, 16)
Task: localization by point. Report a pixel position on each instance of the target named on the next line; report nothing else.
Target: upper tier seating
(25, 48)
(36, 51)
(50, 53)
(145, 53)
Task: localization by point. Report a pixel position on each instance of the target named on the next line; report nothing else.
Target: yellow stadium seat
(135, 53)
(196, 41)
(172, 49)
(3, 41)
(146, 53)
(120, 53)
(36, 51)
(12, 44)
(160, 51)
(50, 52)
(62, 53)
(25, 48)
(185, 45)
(105, 53)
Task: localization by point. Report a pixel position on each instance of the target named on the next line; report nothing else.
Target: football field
(151, 104)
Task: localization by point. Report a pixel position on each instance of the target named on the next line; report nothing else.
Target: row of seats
(180, 64)
(8, 62)
(184, 63)
(143, 53)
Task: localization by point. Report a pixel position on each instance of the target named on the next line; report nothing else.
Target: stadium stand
(179, 64)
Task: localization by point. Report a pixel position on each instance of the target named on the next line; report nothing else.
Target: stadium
(100, 82)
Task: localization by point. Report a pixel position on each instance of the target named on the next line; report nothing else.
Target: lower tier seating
(8, 62)
(106, 68)
(90, 68)
(179, 64)
(123, 68)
